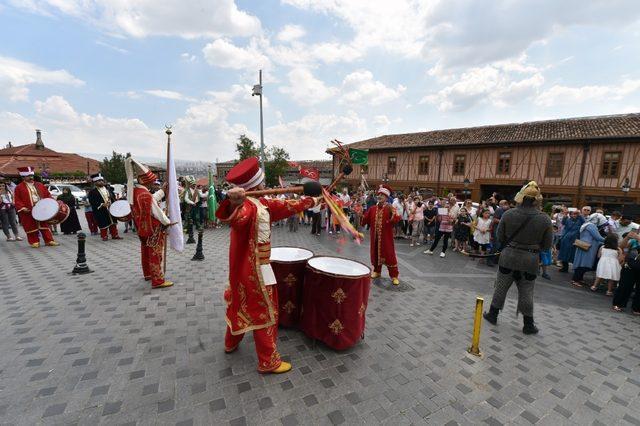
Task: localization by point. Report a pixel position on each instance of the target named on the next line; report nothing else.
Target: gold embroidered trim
(362, 310)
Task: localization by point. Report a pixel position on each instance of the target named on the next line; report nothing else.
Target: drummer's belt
(264, 253)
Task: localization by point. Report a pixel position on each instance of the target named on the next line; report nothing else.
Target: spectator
(624, 226)
(72, 224)
(586, 212)
(400, 206)
(609, 264)
(629, 277)
(417, 214)
(430, 215)
(88, 214)
(584, 260)
(444, 230)
(546, 259)
(570, 231)
(503, 206)
(8, 213)
(204, 205)
(612, 224)
(316, 221)
(461, 230)
(482, 233)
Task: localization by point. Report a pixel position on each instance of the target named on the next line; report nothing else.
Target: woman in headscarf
(584, 260)
(570, 231)
(72, 224)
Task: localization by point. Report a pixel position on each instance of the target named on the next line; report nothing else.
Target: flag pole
(166, 196)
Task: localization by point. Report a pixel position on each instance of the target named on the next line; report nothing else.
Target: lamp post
(257, 91)
(466, 191)
(626, 186)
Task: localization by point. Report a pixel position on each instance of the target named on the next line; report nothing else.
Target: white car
(56, 190)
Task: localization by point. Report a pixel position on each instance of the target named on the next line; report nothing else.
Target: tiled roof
(56, 162)
(602, 127)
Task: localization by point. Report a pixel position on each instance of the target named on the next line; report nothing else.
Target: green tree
(277, 165)
(246, 148)
(113, 168)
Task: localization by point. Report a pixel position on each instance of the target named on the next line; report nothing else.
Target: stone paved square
(104, 348)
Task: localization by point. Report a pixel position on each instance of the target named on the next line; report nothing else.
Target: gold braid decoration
(154, 239)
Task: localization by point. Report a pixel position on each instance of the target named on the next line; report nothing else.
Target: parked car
(56, 189)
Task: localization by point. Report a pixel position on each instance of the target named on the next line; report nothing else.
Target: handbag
(582, 245)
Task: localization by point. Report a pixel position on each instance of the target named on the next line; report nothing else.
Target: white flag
(175, 233)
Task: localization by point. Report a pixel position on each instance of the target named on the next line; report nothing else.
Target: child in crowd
(609, 264)
(546, 259)
(482, 234)
(461, 230)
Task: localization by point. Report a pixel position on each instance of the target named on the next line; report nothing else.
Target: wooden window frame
(455, 163)
(395, 165)
(499, 171)
(422, 172)
(546, 172)
(617, 175)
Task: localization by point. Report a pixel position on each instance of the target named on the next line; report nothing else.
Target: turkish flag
(311, 173)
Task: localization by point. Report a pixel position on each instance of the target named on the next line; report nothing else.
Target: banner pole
(166, 198)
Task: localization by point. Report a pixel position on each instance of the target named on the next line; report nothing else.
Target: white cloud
(308, 137)
(381, 120)
(565, 95)
(291, 32)
(238, 98)
(169, 94)
(16, 76)
(143, 18)
(359, 88)
(112, 47)
(188, 57)
(305, 89)
(224, 54)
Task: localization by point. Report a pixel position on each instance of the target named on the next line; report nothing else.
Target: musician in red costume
(151, 222)
(381, 219)
(27, 194)
(252, 297)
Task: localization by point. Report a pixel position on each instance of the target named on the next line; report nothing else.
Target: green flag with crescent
(359, 156)
(212, 202)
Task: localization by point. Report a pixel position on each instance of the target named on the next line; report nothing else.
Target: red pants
(152, 258)
(265, 339)
(32, 227)
(113, 230)
(393, 270)
(91, 221)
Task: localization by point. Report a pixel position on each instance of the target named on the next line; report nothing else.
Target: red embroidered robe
(24, 204)
(381, 222)
(250, 307)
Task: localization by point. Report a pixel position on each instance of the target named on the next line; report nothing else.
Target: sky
(103, 75)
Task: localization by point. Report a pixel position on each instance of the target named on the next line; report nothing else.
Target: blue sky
(102, 75)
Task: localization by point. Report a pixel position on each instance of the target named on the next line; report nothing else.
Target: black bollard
(81, 262)
(190, 240)
(199, 255)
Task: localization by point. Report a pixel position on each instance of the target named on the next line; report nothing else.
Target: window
(504, 163)
(555, 164)
(423, 165)
(391, 165)
(364, 169)
(611, 164)
(458, 164)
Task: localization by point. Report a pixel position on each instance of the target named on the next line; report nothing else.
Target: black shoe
(564, 270)
(492, 315)
(529, 326)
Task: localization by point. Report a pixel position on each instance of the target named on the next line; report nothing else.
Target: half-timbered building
(594, 160)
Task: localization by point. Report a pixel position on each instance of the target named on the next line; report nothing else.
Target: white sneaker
(417, 244)
(442, 255)
(427, 252)
(411, 245)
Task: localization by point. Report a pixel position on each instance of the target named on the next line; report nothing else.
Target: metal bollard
(199, 254)
(81, 261)
(477, 323)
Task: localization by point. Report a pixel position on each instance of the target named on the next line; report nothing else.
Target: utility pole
(257, 91)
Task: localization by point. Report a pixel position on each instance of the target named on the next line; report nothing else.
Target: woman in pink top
(417, 223)
(444, 230)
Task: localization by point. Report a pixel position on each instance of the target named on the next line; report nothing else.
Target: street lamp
(466, 191)
(257, 91)
(626, 186)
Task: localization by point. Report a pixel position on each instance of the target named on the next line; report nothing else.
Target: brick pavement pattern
(104, 348)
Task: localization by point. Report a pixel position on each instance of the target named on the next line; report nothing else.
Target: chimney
(39, 143)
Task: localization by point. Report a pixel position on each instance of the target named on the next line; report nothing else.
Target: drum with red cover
(50, 211)
(288, 264)
(334, 301)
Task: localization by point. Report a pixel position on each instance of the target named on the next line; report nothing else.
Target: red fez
(26, 171)
(385, 190)
(246, 174)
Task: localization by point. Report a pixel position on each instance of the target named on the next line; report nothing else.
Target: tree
(276, 166)
(113, 168)
(246, 148)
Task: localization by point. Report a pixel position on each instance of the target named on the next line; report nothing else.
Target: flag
(293, 164)
(339, 215)
(212, 201)
(174, 232)
(359, 156)
(311, 173)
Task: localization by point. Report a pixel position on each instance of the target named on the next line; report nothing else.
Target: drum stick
(275, 191)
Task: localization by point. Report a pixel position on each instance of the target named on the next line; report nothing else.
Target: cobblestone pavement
(105, 349)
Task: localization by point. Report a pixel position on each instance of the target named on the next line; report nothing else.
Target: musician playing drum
(27, 194)
(100, 199)
(252, 299)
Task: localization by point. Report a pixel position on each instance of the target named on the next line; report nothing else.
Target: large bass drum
(288, 265)
(50, 211)
(121, 210)
(334, 301)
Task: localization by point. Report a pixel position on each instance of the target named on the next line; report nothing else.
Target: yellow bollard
(477, 323)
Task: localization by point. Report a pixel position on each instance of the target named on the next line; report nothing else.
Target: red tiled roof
(584, 128)
(55, 162)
